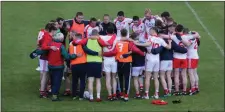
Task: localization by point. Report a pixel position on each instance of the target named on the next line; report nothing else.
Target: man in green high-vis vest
(94, 67)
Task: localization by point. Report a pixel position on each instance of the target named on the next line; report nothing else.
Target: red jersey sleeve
(81, 42)
(108, 43)
(133, 48)
(111, 53)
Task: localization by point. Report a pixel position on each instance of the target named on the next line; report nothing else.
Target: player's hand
(67, 25)
(100, 53)
(121, 56)
(79, 54)
(169, 40)
(54, 48)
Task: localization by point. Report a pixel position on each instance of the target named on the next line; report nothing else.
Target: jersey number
(120, 47)
(155, 45)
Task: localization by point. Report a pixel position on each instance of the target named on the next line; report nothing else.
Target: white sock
(146, 93)
(98, 95)
(91, 96)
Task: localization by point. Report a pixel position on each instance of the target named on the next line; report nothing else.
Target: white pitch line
(205, 28)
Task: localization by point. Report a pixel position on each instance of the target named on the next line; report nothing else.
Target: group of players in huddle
(150, 48)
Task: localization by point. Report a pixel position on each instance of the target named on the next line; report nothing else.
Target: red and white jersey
(178, 42)
(149, 24)
(40, 36)
(123, 25)
(193, 50)
(108, 48)
(88, 30)
(140, 29)
(155, 43)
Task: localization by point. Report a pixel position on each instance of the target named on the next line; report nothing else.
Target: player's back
(155, 43)
(178, 42)
(193, 49)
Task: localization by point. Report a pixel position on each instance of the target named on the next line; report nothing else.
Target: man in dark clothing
(105, 24)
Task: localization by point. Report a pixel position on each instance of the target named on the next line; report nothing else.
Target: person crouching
(56, 64)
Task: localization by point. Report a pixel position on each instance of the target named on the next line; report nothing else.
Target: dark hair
(47, 26)
(179, 28)
(158, 23)
(58, 19)
(123, 32)
(133, 36)
(135, 18)
(173, 25)
(94, 32)
(52, 27)
(78, 35)
(110, 30)
(155, 29)
(79, 14)
(186, 30)
(165, 14)
(120, 13)
(93, 19)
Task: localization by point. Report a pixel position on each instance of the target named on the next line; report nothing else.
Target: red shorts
(192, 63)
(180, 63)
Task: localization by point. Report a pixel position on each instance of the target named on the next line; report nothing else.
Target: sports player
(138, 63)
(122, 23)
(192, 57)
(152, 61)
(149, 22)
(92, 25)
(123, 49)
(138, 28)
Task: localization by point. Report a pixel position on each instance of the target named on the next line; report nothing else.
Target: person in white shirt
(122, 23)
(138, 28)
(152, 60)
(92, 25)
(149, 21)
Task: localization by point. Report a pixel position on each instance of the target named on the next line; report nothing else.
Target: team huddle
(152, 48)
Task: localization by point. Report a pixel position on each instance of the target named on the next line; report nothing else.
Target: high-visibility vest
(94, 45)
(77, 50)
(122, 47)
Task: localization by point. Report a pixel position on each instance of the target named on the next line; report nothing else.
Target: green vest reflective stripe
(93, 45)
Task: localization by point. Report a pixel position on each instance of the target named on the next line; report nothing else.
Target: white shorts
(43, 65)
(152, 66)
(166, 65)
(109, 66)
(136, 71)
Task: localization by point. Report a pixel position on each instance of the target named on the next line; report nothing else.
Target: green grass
(21, 22)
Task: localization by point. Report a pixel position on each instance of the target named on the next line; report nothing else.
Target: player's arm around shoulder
(164, 44)
(66, 55)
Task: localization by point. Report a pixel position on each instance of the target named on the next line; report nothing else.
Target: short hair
(158, 23)
(179, 28)
(52, 27)
(135, 18)
(58, 19)
(123, 32)
(58, 37)
(169, 19)
(134, 36)
(93, 19)
(94, 32)
(155, 29)
(106, 15)
(147, 11)
(47, 26)
(186, 30)
(172, 25)
(165, 14)
(110, 30)
(78, 35)
(120, 13)
(79, 14)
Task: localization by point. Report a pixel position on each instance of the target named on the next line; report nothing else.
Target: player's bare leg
(114, 85)
(67, 84)
(90, 87)
(192, 80)
(98, 89)
(136, 86)
(44, 80)
(184, 80)
(108, 85)
(169, 80)
(141, 81)
(176, 79)
(147, 83)
(163, 81)
(156, 82)
(196, 80)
